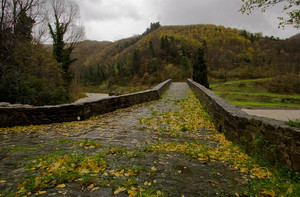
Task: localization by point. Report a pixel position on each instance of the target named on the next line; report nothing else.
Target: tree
(40, 79)
(151, 48)
(66, 33)
(136, 61)
(165, 44)
(200, 68)
(186, 66)
(293, 14)
(17, 18)
(153, 26)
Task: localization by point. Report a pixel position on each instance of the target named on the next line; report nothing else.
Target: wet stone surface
(122, 141)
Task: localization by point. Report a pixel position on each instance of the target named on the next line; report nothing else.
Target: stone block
(272, 137)
(26, 115)
(251, 132)
(296, 161)
(284, 130)
(255, 121)
(286, 141)
(296, 141)
(268, 127)
(235, 123)
(283, 154)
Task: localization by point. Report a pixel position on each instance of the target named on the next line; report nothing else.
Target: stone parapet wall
(269, 138)
(30, 115)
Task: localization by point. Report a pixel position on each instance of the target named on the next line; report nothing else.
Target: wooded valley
(31, 74)
(169, 52)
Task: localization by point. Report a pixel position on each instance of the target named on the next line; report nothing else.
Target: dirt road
(91, 97)
(284, 115)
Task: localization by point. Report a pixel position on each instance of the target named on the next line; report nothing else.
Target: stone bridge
(165, 147)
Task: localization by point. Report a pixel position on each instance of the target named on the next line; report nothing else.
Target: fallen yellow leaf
(42, 192)
(270, 193)
(62, 192)
(95, 188)
(245, 170)
(83, 171)
(261, 172)
(153, 168)
(61, 186)
(2, 181)
(120, 189)
(290, 189)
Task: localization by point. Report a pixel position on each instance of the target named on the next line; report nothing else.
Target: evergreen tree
(162, 43)
(200, 68)
(136, 61)
(186, 66)
(24, 25)
(244, 34)
(252, 38)
(165, 44)
(151, 48)
(111, 70)
(153, 26)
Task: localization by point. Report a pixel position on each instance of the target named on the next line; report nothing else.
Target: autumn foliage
(170, 51)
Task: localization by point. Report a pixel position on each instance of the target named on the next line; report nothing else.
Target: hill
(297, 36)
(168, 52)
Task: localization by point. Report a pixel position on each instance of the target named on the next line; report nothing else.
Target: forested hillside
(169, 52)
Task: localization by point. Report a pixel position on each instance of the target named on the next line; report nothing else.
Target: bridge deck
(141, 147)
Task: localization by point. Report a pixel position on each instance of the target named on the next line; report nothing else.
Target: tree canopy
(28, 72)
(200, 68)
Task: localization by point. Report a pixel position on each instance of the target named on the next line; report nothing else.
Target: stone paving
(124, 129)
(175, 174)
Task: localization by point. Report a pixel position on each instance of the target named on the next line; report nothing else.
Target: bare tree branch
(291, 7)
(67, 14)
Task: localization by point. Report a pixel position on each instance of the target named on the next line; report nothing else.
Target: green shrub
(36, 91)
(289, 83)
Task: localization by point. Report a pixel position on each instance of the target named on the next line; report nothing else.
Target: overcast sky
(116, 19)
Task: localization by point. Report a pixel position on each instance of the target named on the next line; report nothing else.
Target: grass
(14, 149)
(56, 169)
(293, 123)
(251, 93)
(246, 81)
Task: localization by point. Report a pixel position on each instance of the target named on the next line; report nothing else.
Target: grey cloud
(139, 13)
(105, 10)
(221, 12)
(217, 12)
